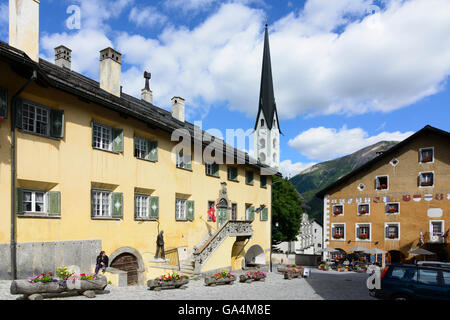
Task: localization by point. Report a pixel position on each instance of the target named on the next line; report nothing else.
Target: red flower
(51, 274)
(82, 274)
(43, 274)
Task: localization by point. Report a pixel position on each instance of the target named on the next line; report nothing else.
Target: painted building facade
(396, 202)
(86, 167)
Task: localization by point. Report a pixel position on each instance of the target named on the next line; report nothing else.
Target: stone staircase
(187, 267)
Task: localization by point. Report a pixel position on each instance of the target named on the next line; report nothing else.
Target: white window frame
(431, 227)
(337, 205)
(376, 182)
(389, 203)
(102, 194)
(420, 155)
(27, 104)
(363, 214)
(141, 147)
(363, 224)
(98, 132)
(333, 225)
(141, 205)
(180, 209)
(387, 224)
(33, 200)
(420, 173)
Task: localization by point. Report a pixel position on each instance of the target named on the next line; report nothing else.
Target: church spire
(266, 94)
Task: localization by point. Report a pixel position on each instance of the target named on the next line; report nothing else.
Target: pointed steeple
(266, 94)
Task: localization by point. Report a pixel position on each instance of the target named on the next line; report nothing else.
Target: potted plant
(426, 159)
(363, 236)
(170, 281)
(257, 275)
(337, 212)
(392, 236)
(362, 211)
(223, 277)
(382, 186)
(392, 210)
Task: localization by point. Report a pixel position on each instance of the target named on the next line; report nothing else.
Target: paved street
(320, 285)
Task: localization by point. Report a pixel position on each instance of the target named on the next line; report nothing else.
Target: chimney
(24, 26)
(146, 93)
(63, 57)
(110, 70)
(178, 108)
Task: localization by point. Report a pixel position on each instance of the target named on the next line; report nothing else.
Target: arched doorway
(129, 260)
(128, 263)
(255, 256)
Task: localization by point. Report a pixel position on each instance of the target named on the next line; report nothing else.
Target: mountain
(310, 181)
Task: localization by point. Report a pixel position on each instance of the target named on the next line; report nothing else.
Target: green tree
(286, 211)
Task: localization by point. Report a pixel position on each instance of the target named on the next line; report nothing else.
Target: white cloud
(377, 63)
(147, 17)
(328, 143)
(189, 5)
(289, 169)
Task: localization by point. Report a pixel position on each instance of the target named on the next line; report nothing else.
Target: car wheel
(400, 297)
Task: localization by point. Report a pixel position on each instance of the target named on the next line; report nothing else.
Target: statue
(160, 245)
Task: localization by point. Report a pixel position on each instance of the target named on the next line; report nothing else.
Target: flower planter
(37, 289)
(211, 281)
(158, 284)
(291, 274)
(250, 277)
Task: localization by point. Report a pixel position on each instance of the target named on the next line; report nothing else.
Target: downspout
(13, 175)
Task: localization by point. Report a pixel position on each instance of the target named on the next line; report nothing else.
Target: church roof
(266, 94)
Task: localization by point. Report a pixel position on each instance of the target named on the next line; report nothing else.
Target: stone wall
(38, 257)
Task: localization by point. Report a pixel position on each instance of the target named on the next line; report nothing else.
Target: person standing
(160, 245)
(102, 262)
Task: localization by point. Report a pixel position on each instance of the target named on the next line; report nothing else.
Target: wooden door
(128, 263)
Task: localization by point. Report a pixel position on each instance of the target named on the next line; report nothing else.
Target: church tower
(267, 129)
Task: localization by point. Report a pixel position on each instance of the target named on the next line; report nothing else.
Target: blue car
(406, 281)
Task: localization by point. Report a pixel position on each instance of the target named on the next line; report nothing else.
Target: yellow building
(85, 167)
(396, 202)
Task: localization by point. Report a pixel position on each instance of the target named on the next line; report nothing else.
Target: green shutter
(264, 214)
(57, 123)
(117, 143)
(152, 150)
(19, 201)
(153, 208)
(117, 205)
(215, 169)
(3, 103)
(190, 210)
(251, 213)
(18, 104)
(188, 161)
(54, 202)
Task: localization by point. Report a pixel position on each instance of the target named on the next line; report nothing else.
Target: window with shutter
(180, 209)
(117, 142)
(190, 210)
(54, 202)
(232, 173)
(250, 213)
(117, 204)
(57, 123)
(264, 214)
(141, 206)
(102, 204)
(154, 208)
(3, 103)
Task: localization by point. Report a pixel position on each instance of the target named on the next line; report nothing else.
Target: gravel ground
(273, 288)
(321, 285)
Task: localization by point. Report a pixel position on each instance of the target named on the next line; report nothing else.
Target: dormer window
(382, 183)
(426, 155)
(262, 122)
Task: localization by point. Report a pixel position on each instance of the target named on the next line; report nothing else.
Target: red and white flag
(212, 211)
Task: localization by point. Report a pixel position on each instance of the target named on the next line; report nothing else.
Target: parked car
(434, 264)
(407, 281)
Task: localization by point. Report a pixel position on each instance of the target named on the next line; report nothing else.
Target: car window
(429, 277)
(403, 274)
(446, 276)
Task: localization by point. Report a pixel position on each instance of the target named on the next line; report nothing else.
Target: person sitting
(102, 262)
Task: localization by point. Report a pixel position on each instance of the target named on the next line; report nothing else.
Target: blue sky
(347, 73)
